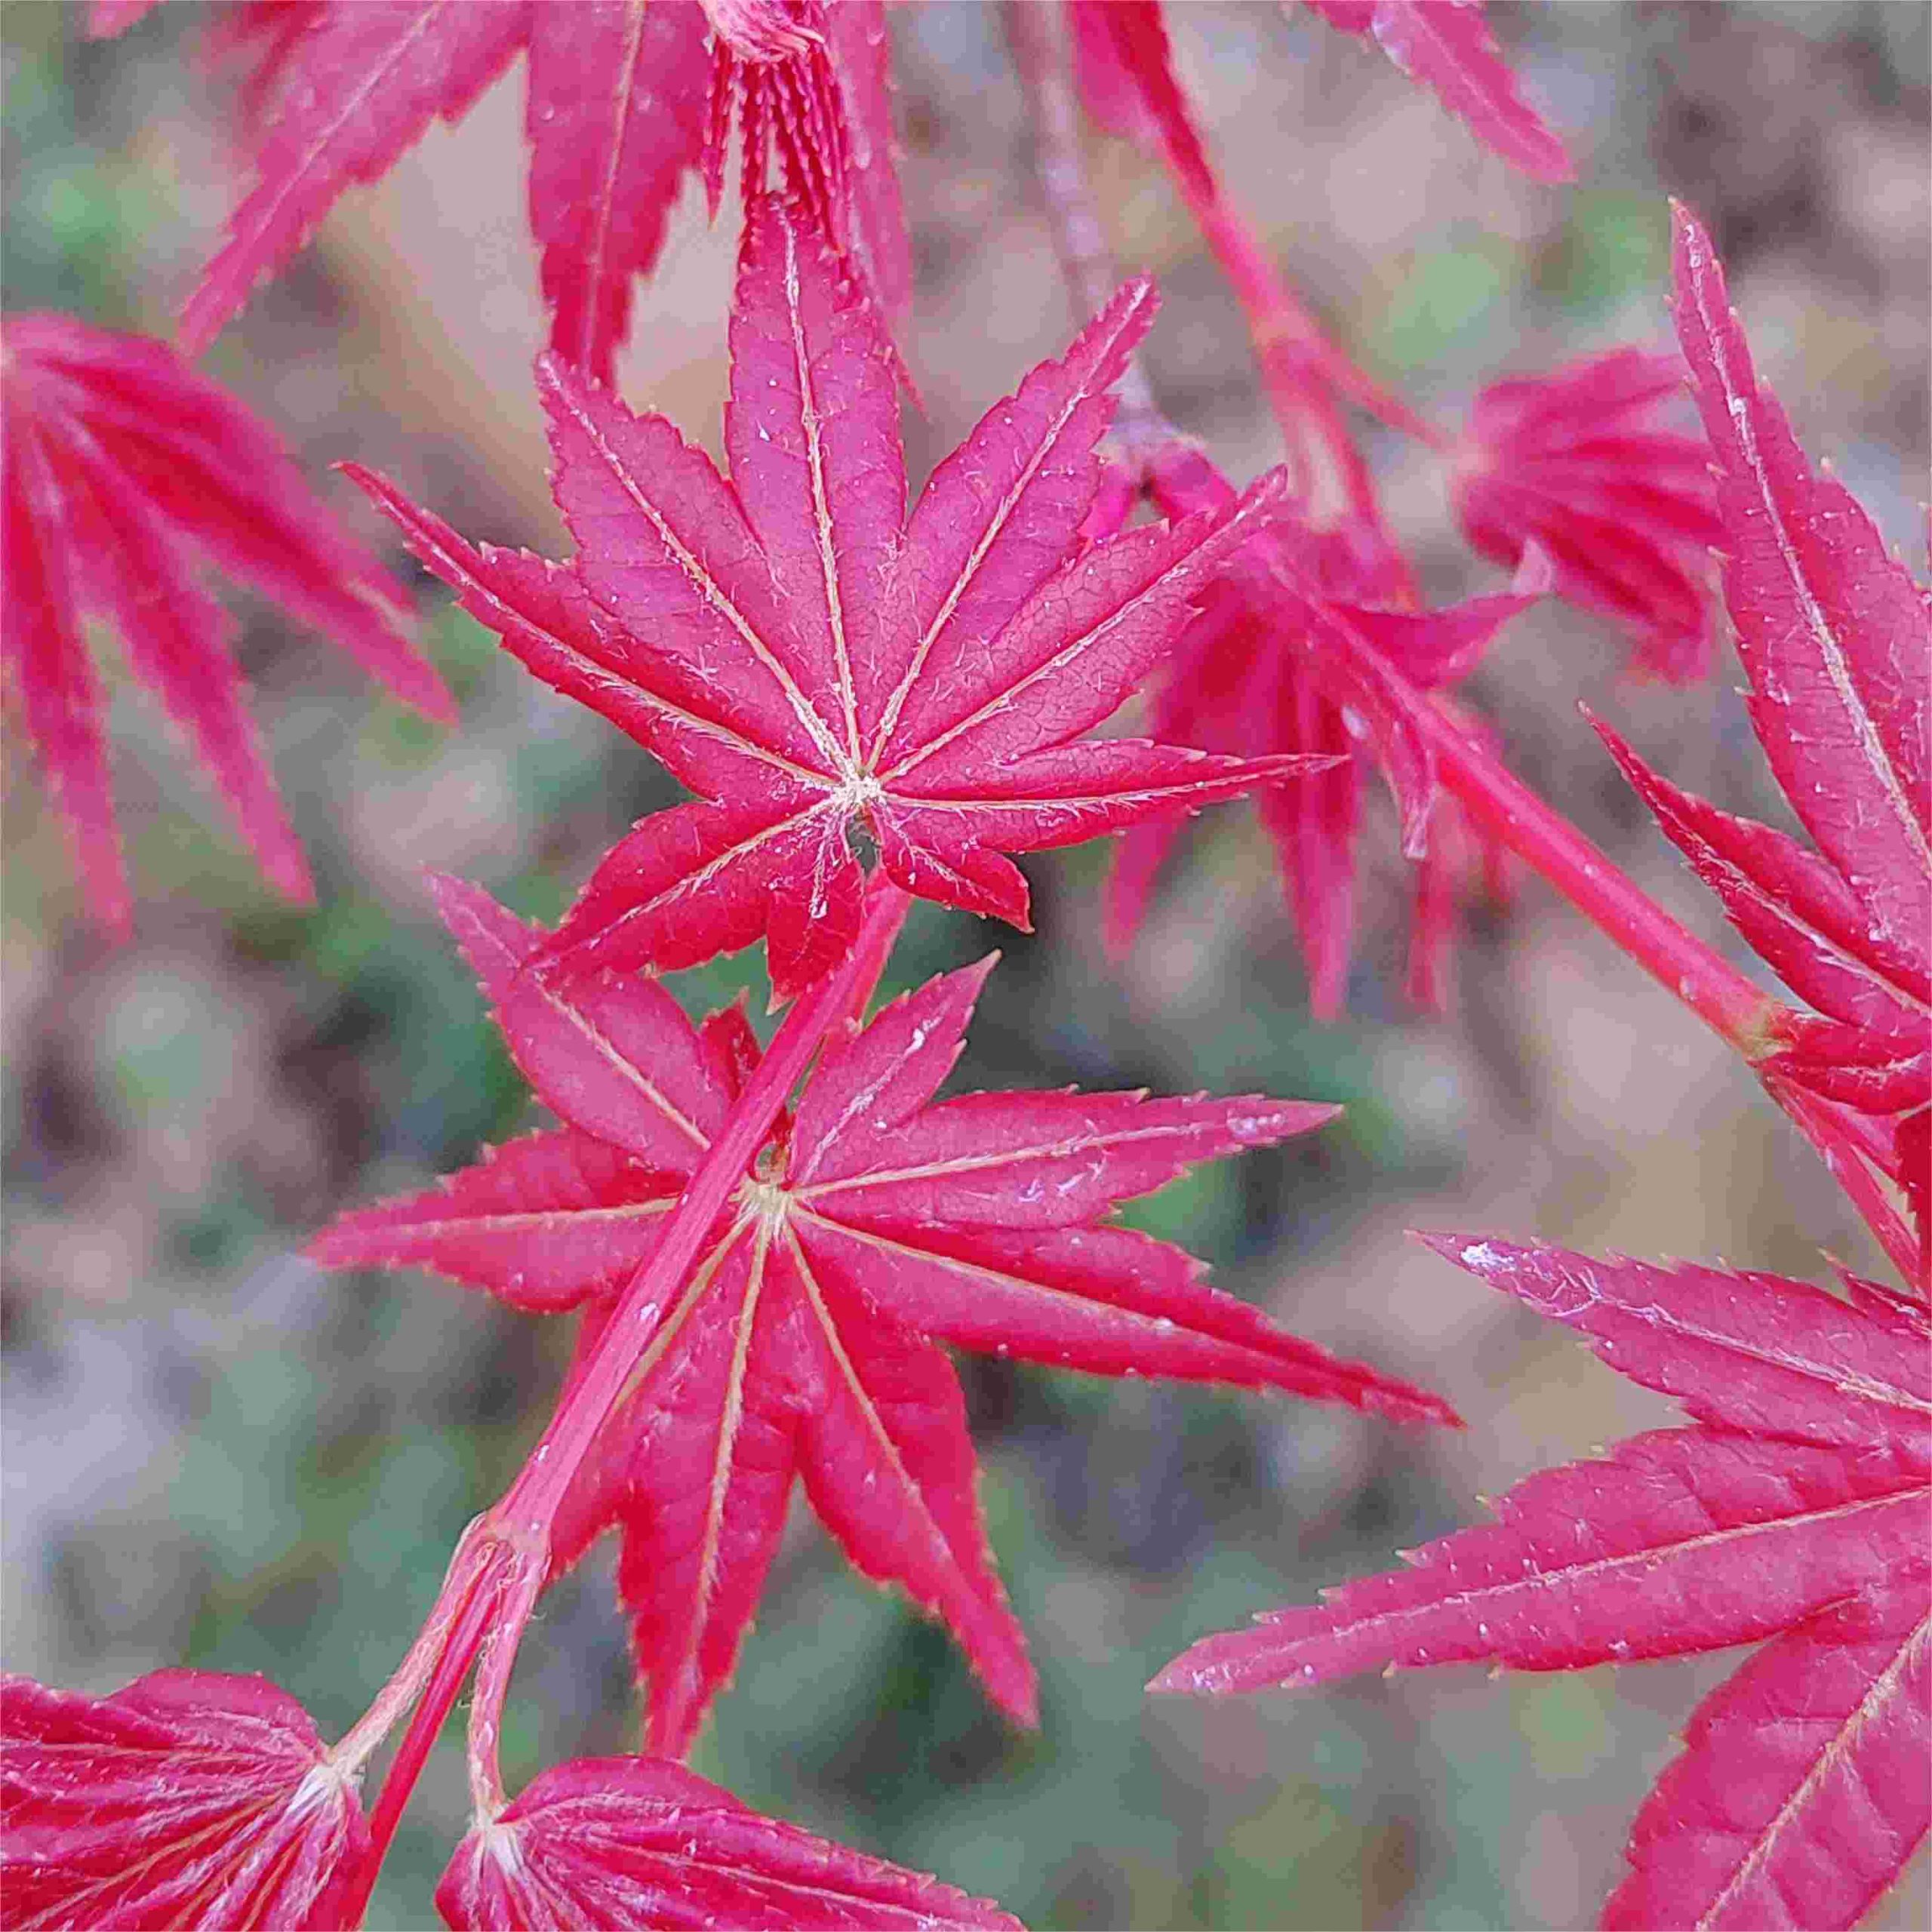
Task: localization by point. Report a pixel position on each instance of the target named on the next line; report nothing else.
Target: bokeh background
(214, 1453)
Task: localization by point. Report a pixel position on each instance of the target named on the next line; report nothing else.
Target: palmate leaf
(876, 1225)
(1446, 45)
(1797, 1510)
(810, 659)
(624, 98)
(189, 1798)
(605, 1845)
(124, 469)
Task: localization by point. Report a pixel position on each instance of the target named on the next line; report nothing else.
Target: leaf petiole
(500, 1567)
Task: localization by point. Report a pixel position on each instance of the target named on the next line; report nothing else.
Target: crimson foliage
(770, 1249)
(1796, 1509)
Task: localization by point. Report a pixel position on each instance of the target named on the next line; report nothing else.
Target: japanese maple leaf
(1575, 461)
(624, 97)
(605, 1845)
(1837, 643)
(1312, 643)
(1796, 1509)
(122, 468)
(810, 659)
(1446, 45)
(876, 1225)
(189, 1798)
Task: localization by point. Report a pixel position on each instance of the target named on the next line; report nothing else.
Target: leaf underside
(190, 1798)
(605, 1845)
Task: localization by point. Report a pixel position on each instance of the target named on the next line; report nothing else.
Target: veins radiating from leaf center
(767, 1202)
(859, 793)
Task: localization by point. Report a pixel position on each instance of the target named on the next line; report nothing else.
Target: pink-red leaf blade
(1801, 1792)
(361, 84)
(616, 115)
(1681, 1541)
(1446, 45)
(545, 1222)
(606, 1844)
(188, 1797)
(1795, 910)
(1836, 637)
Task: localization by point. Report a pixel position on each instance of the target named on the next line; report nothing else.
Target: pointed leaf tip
(1836, 637)
(124, 467)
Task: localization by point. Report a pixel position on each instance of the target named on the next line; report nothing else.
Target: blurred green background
(215, 1454)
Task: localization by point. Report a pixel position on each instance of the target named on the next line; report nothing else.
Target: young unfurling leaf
(876, 1225)
(1577, 462)
(1311, 646)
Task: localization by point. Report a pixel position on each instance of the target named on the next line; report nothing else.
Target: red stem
(1303, 373)
(1497, 799)
(467, 1628)
(498, 1573)
(525, 1515)
(1035, 35)
(1722, 997)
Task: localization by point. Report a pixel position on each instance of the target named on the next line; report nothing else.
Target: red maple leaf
(1312, 644)
(605, 1845)
(121, 465)
(1797, 1510)
(1837, 643)
(875, 1224)
(1575, 461)
(1447, 45)
(189, 1798)
(809, 658)
(624, 97)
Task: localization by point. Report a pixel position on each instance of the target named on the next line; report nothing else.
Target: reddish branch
(1743, 1014)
